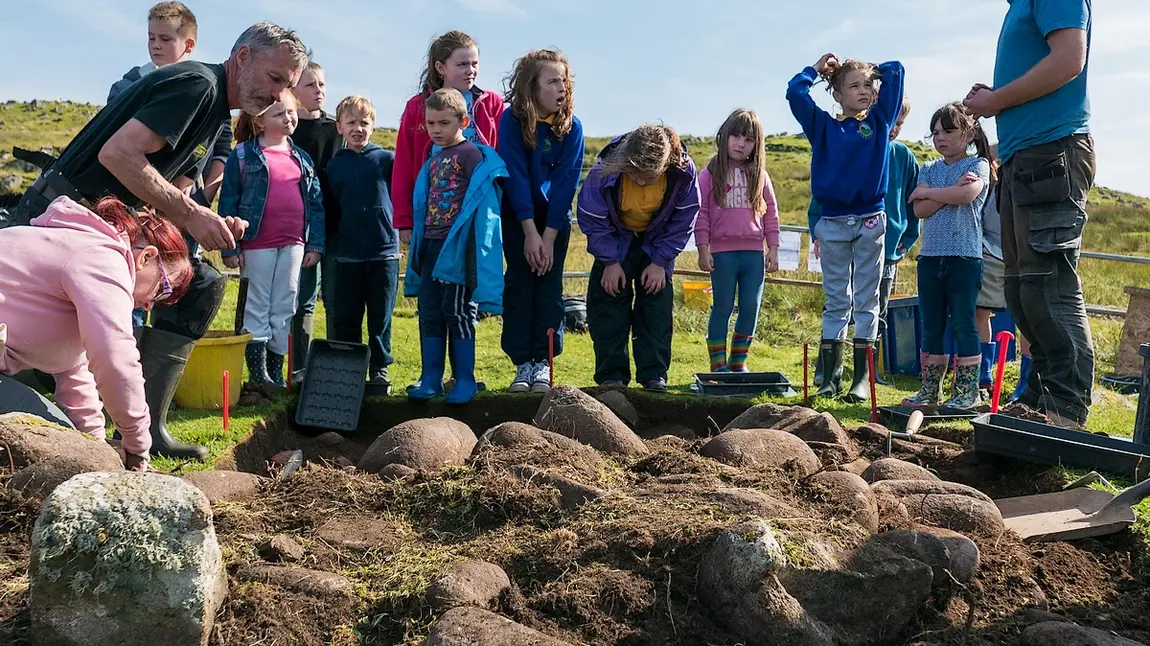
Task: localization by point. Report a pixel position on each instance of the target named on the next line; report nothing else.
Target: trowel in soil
(1072, 514)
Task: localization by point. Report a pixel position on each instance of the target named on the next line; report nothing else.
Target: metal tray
(742, 384)
(896, 417)
(334, 383)
(1046, 444)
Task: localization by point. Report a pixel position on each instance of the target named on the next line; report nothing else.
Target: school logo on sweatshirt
(865, 130)
(546, 146)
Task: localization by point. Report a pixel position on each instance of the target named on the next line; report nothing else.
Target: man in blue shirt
(1039, 99)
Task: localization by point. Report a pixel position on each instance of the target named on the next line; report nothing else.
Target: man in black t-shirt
(149, 135)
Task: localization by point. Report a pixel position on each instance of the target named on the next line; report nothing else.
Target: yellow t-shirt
(638, 204)
(549, 119)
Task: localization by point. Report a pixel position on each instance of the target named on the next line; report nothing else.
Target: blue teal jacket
(473, 250)
(244, 193)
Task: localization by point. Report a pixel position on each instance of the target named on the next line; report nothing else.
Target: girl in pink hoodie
(68, 285)
(737, 233)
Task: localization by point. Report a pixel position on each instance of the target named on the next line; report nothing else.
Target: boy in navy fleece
(541, 141)
(850, 159)
(367, 251)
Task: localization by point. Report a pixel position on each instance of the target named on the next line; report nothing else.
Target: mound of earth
(606, 548)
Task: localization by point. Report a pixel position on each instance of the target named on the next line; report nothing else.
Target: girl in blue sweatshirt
(542, 145)
(850, 160)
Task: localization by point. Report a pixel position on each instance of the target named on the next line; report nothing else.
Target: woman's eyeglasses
(165, 284)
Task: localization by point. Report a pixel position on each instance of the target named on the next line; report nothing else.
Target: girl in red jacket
(452, 61)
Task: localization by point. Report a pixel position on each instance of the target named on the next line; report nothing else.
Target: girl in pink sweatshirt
(68, 285)
(737, 233)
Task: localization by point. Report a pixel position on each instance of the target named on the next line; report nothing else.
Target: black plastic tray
(743, 384)
(331, 395)
(896, 417)
(1046, 444)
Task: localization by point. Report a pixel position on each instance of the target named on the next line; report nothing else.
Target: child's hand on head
(827, 64)
(311, 259)
(654, 278)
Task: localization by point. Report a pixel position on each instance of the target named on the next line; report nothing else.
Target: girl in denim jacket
(271, 183)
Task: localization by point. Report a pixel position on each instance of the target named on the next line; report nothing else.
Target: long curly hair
(741, 123)
(646, 152)
(521, 85)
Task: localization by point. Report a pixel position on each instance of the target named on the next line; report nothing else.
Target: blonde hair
(743, 123)
(177, 15)
(356, 104)
(248, 127)
(522, 84)
(447, 99)
(441, 49)
(646, 152)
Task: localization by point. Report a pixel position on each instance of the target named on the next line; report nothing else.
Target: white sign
(789, 244)
(813, 264)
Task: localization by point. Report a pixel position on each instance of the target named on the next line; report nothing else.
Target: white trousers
(273, 286)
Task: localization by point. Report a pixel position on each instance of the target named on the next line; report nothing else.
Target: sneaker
(658, 385)
(541, 377)
(523, 377)
(611, 383)
(379, 378)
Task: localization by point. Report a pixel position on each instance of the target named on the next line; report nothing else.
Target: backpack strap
(240, 157)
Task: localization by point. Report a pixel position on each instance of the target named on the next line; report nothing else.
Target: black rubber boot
(302, 329)
(831, 356)
(163, 356)
(860, 385)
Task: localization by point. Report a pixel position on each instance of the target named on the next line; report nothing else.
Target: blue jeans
(743, 271)
(948, 288)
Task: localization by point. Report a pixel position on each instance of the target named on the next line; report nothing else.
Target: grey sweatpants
(846, 244)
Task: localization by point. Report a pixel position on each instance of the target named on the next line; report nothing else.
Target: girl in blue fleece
(541, 141)
(850, 158)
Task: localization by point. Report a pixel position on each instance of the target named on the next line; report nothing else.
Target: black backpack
(575, 314)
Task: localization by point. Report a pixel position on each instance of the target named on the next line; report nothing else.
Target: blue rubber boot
(1024, 369)
(463, 363)
(986, 368)
(434, 352)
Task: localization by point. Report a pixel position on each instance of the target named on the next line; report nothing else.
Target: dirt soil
(618, 571)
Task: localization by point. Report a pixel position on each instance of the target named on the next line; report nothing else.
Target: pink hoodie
(735, 228)
(66, 287)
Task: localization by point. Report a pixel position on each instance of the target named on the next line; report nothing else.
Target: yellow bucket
(697, 293)
(202, 385)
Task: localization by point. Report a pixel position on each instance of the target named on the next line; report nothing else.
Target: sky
(684, 63)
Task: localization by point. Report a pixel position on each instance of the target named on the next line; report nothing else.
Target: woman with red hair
(68, 285)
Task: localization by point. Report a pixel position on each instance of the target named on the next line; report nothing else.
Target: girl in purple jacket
(637, 208)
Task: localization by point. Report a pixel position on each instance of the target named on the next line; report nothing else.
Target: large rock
(572, 494)
(517, 435)
(315, 583)
(782, 418)
(895, 469)
(226, 486)
(944, 551)
(872, 600)
(470, 583)
(738, 580)
(762, 449)
(124, 559)
(353, 532)
(282, 548)
(949, 505)
(469, 626)
(571, 412)
(823, 430)
(850, 496)
(1051, 633)
(426, 445)
(621, 406)
(28, 439)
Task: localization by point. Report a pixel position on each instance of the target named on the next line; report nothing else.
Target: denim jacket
(245, 192)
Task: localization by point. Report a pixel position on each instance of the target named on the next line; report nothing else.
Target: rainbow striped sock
(718, 351)
(740, 345)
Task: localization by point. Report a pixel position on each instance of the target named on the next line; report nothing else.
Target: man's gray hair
(264, 36)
